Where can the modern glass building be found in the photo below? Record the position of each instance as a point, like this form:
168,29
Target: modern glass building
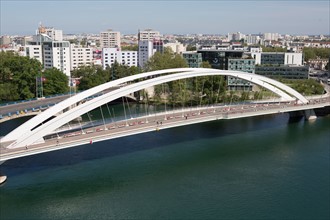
272,58
194,60
283,71
244,65
219,58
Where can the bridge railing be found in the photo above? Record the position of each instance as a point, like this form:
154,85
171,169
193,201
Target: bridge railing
25,111
19,113
35,99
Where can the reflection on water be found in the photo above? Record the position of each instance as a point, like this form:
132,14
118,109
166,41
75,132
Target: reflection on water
268,167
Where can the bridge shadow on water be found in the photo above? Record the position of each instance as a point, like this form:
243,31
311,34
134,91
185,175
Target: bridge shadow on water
144,141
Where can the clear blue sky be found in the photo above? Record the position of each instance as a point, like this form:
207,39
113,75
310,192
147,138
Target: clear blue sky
168,17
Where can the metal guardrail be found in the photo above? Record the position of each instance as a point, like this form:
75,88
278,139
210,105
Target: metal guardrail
34,99
25,111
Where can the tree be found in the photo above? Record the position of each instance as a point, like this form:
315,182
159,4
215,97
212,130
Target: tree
305,86
8,92
117,71
166,60
56,82
313,53
133,47
90,76
206,64
19,73
191,48
274,49
93,78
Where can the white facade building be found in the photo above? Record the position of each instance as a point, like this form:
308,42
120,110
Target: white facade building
145,52
148,34
257,57
34,51
109,39
57,54
235,36
56,35
283,58
112,55
5,40
80,56
271,36
293,58
176,47
252,39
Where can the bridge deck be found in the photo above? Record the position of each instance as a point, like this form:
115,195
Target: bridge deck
153,122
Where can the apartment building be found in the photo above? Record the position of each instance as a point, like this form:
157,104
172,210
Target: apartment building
252,39
271,36
110,39
56,35
80,56
148,34
34,51
176,47
112,55
57,54
4,40
145,51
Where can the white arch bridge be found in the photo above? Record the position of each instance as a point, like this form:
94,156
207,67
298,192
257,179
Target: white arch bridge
28,138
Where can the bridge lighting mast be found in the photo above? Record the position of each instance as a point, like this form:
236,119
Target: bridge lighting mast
39,86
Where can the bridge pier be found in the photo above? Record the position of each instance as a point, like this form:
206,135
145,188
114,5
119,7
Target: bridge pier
3,178
310,114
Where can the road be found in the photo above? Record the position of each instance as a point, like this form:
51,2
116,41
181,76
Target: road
33,107
21,106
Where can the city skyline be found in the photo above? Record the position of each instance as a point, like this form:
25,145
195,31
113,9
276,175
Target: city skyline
168,17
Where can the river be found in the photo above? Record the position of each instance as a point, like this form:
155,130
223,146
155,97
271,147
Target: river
267,167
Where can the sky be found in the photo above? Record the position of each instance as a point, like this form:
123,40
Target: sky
296,17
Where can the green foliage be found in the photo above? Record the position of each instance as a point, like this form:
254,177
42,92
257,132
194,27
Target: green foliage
191,48
166,60
117,71
313,53
305,86
273,49
19,74
8,91
56,82
91,76
206,64
134,47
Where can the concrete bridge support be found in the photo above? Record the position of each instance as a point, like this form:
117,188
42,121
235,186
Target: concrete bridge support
3,178
310,114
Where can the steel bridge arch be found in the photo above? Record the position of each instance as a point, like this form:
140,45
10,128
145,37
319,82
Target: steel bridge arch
32,136
58,108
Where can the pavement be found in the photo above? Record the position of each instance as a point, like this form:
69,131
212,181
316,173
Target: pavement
155,122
